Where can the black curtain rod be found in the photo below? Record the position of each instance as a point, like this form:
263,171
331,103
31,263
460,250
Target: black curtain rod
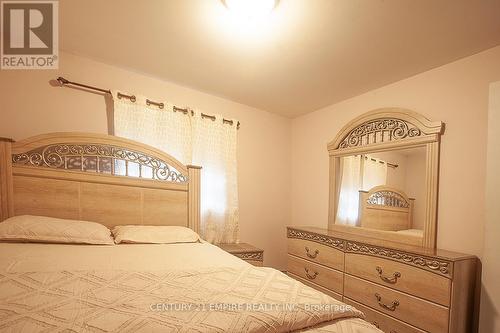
374,160
132,98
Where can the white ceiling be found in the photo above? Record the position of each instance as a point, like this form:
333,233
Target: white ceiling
306,55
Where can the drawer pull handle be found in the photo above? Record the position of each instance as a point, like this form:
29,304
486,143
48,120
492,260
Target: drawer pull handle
392,279
312,256
391,307
375,324
309,276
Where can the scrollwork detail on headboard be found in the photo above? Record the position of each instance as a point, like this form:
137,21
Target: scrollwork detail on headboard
100,158
388,198
379,130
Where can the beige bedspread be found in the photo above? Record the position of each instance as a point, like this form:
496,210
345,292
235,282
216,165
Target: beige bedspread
156,288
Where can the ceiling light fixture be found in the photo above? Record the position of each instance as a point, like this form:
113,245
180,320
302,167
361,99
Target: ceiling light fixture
246,23
250,10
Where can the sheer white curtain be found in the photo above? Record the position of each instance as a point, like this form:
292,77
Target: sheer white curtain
164,129
214,148
350,183
360,172
192,140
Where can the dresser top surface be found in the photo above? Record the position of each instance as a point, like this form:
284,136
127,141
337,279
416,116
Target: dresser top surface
438,253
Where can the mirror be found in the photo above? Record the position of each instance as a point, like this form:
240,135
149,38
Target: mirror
384,168
383,191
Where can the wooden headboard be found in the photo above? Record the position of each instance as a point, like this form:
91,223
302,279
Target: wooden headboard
95,177
385,208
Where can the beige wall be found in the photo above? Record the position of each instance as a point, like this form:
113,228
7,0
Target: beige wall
29,105
490,297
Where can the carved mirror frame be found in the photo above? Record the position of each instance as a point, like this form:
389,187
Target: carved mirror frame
384,130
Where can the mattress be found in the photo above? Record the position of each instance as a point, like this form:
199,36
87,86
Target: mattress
194,287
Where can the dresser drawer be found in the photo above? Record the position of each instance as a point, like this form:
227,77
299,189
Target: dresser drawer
382,321
316,252
415,311
320,275
400,276
313,285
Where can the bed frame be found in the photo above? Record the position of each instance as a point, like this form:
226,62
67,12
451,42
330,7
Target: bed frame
95,177
385,208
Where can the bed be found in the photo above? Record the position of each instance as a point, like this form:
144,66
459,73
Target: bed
189,287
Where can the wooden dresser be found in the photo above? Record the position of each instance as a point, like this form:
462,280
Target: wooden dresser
410,290
244,251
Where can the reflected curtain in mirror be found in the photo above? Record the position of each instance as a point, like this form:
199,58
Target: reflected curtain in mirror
358,172
191,139
347,212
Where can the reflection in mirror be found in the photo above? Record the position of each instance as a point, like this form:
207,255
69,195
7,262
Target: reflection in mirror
383,190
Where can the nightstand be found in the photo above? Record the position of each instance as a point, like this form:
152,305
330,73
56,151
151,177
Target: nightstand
244,251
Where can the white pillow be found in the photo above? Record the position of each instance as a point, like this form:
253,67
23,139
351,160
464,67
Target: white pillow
147,234
29,228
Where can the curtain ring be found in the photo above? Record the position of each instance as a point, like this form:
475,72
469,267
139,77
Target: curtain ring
131,98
